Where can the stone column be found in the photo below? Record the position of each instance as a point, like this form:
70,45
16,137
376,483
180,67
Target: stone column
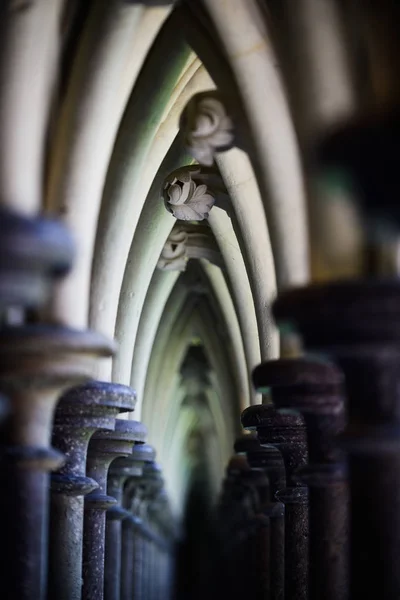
286,432
150,483
33,252
314,388
270,461
104,447
257,531
162,522
235,510
171,534
153,547
37,363
121,469
80,412
356,323
130,556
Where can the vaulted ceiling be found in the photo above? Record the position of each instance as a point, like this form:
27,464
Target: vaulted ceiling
174,141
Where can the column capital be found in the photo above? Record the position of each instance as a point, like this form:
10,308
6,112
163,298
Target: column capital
124,467
104,447
313,388
310,375
151,480
33,251
38,362
80,412
107,445
372,171
357,323
266,457
285,431
141,454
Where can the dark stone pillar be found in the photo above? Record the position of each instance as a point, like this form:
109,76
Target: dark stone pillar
104,447
314,388
270,461
33,252
257,531
286,432
233,508
357,324
172,535
153,547
131,558
80,412
234,519
162,522
151,483
168,563
37,363
120,470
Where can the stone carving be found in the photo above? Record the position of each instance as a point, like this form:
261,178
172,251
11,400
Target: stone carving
187,241
185,199
173,256
207,127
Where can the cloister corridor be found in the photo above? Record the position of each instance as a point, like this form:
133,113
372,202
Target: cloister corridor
199,299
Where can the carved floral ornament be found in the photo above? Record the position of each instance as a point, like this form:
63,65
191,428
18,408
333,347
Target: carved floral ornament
185,199
189,241
207,127
173,256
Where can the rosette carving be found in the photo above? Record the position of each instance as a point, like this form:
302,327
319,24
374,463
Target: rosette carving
185,199
207,127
